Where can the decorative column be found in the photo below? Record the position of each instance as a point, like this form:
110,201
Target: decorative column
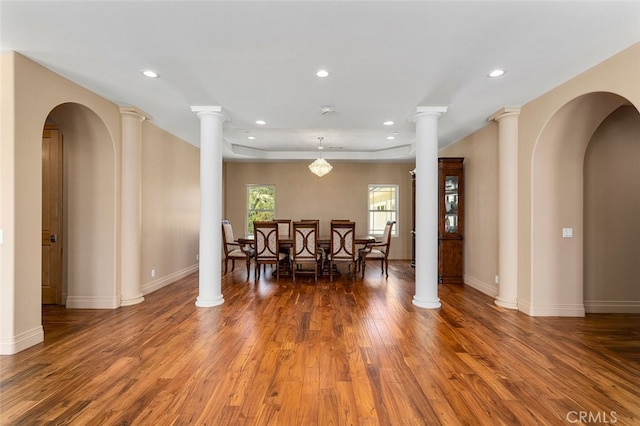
210,286
507,119
427,207
131,258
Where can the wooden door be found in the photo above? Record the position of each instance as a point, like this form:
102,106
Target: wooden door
51,215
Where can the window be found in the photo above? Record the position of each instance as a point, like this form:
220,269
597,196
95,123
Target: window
261,204
383,206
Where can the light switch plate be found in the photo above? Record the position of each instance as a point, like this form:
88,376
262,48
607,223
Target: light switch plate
567,232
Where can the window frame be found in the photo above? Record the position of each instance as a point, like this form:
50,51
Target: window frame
392,212
248,211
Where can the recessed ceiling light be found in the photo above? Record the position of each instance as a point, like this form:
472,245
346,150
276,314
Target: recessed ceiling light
388,123
251,137
322,73
391,137
496,73
261,122
150,74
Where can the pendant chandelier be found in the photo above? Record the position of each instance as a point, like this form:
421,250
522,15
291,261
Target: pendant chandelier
320,166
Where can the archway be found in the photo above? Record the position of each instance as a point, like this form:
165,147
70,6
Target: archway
557,204
611,211
89,209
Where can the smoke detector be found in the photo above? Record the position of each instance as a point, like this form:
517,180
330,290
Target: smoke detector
326,110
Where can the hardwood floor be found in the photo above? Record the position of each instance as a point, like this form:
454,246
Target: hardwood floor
333,353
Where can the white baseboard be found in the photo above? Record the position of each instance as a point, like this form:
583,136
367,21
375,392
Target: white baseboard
562,310
92,302
612,307
157,284
486,288
22,341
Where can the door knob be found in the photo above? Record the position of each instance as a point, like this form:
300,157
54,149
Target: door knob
53,238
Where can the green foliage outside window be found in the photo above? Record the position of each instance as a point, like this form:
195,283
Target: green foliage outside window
383,206
261,204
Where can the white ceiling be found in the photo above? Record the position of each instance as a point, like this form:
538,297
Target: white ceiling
258,61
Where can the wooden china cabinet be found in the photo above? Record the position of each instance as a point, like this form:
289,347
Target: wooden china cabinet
450,219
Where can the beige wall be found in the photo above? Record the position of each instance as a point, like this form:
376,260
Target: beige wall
341,194
612,212
92,138
170,207
554,132
480,152
32,93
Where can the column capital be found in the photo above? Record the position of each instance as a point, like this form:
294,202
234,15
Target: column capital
503,113
208,110
134,112
429,111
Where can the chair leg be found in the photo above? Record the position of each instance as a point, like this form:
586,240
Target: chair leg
248,266
233,264
293,272
331,271
364,265
386,267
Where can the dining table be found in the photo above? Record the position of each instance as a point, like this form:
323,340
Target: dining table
285,241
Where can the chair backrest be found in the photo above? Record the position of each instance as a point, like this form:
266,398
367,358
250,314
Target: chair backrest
386,236
265,235
284,227
305,240
343,241
227,235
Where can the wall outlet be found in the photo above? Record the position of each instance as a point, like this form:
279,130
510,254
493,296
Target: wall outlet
497,279
153,273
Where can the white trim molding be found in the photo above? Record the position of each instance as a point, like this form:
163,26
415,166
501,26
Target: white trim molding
552,310
486,288
612,306
91,302
154,285
22,341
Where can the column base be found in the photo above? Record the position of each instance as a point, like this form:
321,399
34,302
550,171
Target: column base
132,301
209,303
427,304
506,304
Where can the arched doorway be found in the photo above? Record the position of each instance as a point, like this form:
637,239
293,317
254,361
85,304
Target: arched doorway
611,212
557,205
89,209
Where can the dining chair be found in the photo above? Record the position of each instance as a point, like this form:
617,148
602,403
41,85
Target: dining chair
232,250
342,246
378,251
267,247
305,248
284,227
322,247
284,231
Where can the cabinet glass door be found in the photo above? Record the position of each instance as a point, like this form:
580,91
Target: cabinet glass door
451,204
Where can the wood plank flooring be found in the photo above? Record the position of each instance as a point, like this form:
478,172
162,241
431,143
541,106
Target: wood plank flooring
342,353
